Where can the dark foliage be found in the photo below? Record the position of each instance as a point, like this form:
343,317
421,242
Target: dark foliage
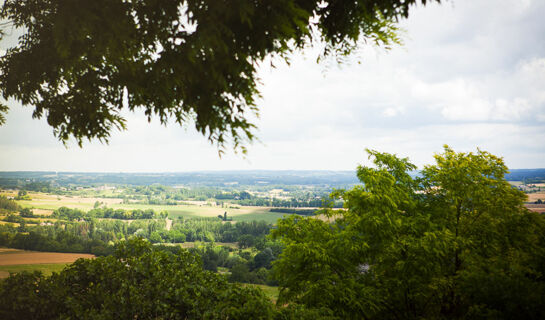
137,282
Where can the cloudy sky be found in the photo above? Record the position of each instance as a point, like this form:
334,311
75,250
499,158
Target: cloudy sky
471,73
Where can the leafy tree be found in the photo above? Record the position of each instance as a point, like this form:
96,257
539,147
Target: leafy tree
263,259
68,214
245,195
22,195
176,236
155,237
246,241
8,204
80,63
26,213
3,110
240,273
456,242
136,282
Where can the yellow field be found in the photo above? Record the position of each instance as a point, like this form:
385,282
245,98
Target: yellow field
14,256
44,204
5,222
533,197
42,212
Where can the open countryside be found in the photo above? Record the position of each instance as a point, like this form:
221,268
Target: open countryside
232,230
46,203
272,160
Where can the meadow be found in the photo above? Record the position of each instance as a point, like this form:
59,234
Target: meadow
270,292
44,203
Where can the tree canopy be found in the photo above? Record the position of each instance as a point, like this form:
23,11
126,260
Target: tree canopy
79,63
137,282
454,242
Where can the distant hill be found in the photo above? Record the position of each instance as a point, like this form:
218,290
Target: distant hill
526,175
206,178
213,178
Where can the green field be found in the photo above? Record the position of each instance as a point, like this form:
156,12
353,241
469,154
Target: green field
51,202
45,268
516,183
271,292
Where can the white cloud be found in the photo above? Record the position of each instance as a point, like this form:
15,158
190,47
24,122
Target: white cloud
390,112
471,74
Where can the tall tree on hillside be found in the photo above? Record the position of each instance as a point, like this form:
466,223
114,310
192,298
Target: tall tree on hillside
456,242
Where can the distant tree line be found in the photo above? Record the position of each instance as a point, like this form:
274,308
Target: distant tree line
57,238
303,212
76,230
209,230
76,214
38,186
82,236
10,208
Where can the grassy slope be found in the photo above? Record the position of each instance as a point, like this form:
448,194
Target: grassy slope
45,268
271,292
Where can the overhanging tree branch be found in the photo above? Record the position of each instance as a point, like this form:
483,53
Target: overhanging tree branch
79,63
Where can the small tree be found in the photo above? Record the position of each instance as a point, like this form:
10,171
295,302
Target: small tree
155,237
240,273
22,195
26,213
246,241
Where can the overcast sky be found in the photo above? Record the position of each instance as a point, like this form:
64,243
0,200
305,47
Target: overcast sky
471,73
